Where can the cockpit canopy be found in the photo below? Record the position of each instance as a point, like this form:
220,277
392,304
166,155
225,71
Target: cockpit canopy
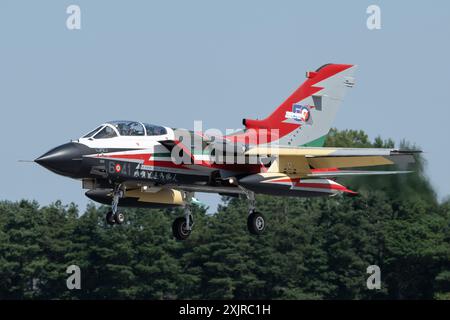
125,128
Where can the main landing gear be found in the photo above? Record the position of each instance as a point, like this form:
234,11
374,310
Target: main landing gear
256,223
182,226
114,216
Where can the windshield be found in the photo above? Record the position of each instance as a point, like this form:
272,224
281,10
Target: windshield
90,134
105,133
128,128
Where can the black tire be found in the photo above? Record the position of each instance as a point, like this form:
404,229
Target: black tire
110,218
119,217
256,223
180,232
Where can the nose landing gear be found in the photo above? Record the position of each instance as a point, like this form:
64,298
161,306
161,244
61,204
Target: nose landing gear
114,216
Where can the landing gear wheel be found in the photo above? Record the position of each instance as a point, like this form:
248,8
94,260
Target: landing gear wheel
119,217
110,218
256,223
180,230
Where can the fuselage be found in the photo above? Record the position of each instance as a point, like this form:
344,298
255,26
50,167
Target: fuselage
145,158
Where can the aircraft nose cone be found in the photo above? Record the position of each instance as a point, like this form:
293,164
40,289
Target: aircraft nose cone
65,159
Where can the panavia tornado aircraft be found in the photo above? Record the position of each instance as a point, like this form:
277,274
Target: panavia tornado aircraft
131,163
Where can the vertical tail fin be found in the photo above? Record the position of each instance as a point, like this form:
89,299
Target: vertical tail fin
306,116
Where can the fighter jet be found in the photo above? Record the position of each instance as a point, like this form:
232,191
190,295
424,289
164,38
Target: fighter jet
136,164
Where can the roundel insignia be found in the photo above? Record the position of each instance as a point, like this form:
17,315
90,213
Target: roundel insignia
305,113
300,113
118,168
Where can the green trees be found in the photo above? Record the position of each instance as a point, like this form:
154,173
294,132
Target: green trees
33,248
312,249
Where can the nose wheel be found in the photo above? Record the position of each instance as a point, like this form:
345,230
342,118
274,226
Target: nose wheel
114,216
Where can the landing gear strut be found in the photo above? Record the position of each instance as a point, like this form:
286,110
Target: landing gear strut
182,226
114,216
256,222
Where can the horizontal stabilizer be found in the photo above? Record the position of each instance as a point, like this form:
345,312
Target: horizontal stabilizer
348,162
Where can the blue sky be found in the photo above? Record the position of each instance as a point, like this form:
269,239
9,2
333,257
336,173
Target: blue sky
174,62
